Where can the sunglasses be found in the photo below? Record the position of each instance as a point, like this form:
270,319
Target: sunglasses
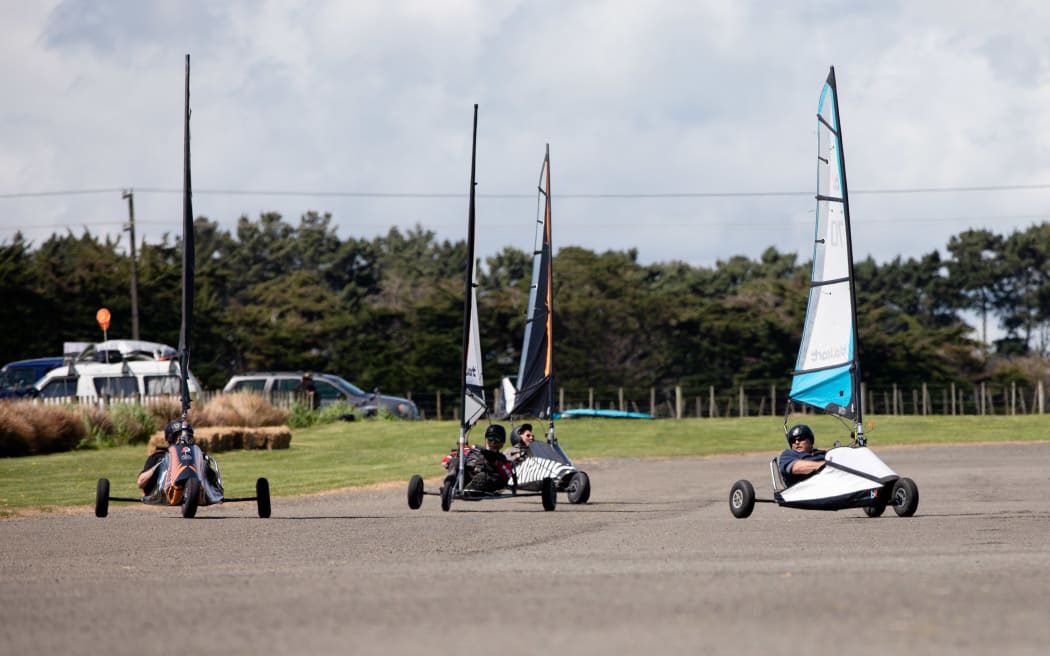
799,439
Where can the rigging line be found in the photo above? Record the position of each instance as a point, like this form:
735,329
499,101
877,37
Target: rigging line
582,195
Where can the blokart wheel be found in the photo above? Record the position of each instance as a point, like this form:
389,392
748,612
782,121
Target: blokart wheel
262,497
191,496
415,492
447,492
905,497
742,499
579,489
881,501
102,498
549,494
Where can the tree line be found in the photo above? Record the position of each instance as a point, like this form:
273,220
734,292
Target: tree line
387,312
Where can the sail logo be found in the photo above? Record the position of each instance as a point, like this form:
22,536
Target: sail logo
835,353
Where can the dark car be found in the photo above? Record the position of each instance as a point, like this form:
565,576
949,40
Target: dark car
330,388
17,378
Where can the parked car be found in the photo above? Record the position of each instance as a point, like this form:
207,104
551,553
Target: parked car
89,380
17,378
330,388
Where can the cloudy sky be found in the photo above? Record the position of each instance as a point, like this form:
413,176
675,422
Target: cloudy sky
685,129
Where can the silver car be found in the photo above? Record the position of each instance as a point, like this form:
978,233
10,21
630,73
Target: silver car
330,388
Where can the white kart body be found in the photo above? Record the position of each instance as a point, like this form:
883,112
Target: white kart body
851,475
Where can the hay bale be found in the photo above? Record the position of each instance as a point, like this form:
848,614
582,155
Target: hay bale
216,439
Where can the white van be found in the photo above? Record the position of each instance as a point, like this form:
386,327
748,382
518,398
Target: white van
129,378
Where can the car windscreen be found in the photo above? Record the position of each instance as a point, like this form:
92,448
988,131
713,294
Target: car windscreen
116,385
59,387
350,387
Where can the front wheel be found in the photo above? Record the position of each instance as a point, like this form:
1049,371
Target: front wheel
102,498
905,497
882,499
448,490
579,490
415,492
191,496
262,497
549,494
742,499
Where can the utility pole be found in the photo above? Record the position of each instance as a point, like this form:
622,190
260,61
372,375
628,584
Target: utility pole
130,196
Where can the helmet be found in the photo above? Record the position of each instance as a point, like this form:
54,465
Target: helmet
496,433
176,429
799,430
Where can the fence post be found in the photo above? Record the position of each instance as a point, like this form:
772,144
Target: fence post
742,402
953,398
439,405
982,399
712,407
895,398
677,401
561,399
621,400
914,401
1013,398
925,398
699,408
1040,386
652,401
590,397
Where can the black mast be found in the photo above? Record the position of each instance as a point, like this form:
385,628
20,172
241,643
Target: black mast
187,257
469,283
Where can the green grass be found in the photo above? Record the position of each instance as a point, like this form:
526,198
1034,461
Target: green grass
363,453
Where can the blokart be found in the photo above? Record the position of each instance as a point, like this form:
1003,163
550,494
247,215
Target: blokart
827,372
852,477
457,486
187,478
184,476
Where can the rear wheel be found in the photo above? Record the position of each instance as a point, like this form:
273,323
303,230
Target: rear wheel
191,496
262,497
742,499
905,497
102,498
579,490
415,492
549,494
881,501
447,490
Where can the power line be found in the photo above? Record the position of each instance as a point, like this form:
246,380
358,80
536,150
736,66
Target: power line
582,195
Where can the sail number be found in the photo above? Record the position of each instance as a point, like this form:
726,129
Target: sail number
836,235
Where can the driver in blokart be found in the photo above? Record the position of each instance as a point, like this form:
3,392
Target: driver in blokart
800,460
520,439
485,469
174,432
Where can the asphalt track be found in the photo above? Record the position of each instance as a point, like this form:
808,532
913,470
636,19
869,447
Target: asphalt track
655,564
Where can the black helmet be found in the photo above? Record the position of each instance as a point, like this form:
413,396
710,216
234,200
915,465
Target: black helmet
175,429
799,430
496,433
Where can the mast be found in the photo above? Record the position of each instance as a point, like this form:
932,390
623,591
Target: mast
188,248
547,245
859,420
468,285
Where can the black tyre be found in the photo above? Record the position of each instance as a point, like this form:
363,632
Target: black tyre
191,497
549,494
262,497
447,492
881,501
415,492
579,490
102,498
742,499
905,497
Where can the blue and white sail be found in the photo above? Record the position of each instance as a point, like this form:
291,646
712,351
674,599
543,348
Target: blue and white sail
827,372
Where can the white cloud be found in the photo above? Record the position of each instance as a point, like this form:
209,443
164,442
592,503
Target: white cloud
652,97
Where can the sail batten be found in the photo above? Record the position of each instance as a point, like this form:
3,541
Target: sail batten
827,370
